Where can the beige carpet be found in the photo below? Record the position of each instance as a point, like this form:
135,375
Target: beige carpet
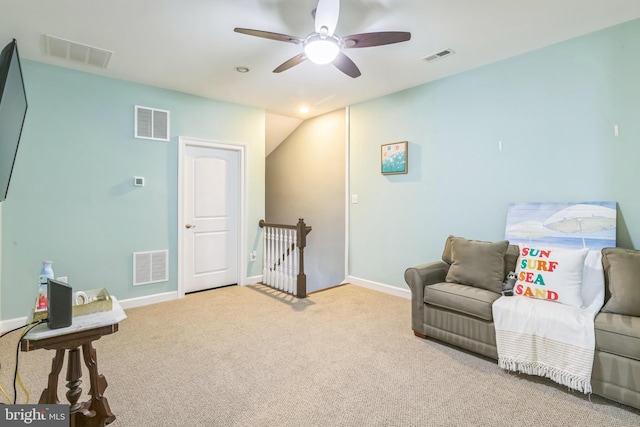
250,356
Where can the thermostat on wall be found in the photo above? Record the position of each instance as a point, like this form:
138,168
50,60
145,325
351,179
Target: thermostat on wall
138,181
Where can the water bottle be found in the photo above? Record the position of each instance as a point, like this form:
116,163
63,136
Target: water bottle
45,273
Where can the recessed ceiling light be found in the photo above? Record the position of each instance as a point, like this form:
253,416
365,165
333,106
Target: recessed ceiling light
304,110
242,69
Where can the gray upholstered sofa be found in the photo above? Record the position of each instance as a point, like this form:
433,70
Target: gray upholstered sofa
616,365
455,308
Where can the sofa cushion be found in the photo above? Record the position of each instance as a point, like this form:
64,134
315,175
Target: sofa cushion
477,263
618,334
461,298
551,273
622,279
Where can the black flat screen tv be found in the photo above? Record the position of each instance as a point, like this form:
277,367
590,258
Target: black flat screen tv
13,110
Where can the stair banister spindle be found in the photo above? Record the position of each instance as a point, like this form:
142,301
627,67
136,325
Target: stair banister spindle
285,262
279,251
265,254
269,250
290,277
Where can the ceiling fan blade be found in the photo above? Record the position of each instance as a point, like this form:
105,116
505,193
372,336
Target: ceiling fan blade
301,57
346,65
269,35
375,39
326,15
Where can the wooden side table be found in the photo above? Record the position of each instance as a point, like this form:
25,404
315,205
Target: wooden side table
82,332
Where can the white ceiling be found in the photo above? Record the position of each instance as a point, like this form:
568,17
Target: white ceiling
190,45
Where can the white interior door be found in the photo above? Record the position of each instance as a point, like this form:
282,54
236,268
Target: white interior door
210,203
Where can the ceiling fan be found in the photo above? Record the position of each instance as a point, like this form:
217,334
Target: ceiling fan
323,46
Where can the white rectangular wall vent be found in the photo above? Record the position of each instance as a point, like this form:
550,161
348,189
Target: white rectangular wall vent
439,55
77,52
150,267
151,123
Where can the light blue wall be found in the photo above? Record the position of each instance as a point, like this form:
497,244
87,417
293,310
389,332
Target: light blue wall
72,200
554,110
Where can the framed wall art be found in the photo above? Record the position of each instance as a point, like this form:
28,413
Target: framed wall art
394,158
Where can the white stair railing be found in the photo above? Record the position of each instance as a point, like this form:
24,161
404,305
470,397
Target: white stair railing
283,258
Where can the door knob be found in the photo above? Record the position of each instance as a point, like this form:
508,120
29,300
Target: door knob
190,226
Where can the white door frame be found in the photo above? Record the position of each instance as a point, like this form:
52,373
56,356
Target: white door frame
183,142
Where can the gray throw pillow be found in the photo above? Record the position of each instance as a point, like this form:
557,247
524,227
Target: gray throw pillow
510,256
622,277
477,263
446,253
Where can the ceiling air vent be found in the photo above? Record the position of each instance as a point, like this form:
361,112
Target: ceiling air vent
439,55
77,52
151,123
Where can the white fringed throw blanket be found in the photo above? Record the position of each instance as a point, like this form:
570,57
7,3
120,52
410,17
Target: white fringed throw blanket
550,339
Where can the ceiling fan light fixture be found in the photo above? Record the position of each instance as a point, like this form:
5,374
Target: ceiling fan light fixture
323,46
321,50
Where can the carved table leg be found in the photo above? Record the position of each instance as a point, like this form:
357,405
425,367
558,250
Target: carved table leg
74,372
50,394
99,405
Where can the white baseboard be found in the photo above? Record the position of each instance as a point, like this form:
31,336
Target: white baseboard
149,299
380,287
9,324
168,296
252,280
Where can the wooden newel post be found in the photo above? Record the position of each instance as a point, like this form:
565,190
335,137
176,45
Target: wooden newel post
302,242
